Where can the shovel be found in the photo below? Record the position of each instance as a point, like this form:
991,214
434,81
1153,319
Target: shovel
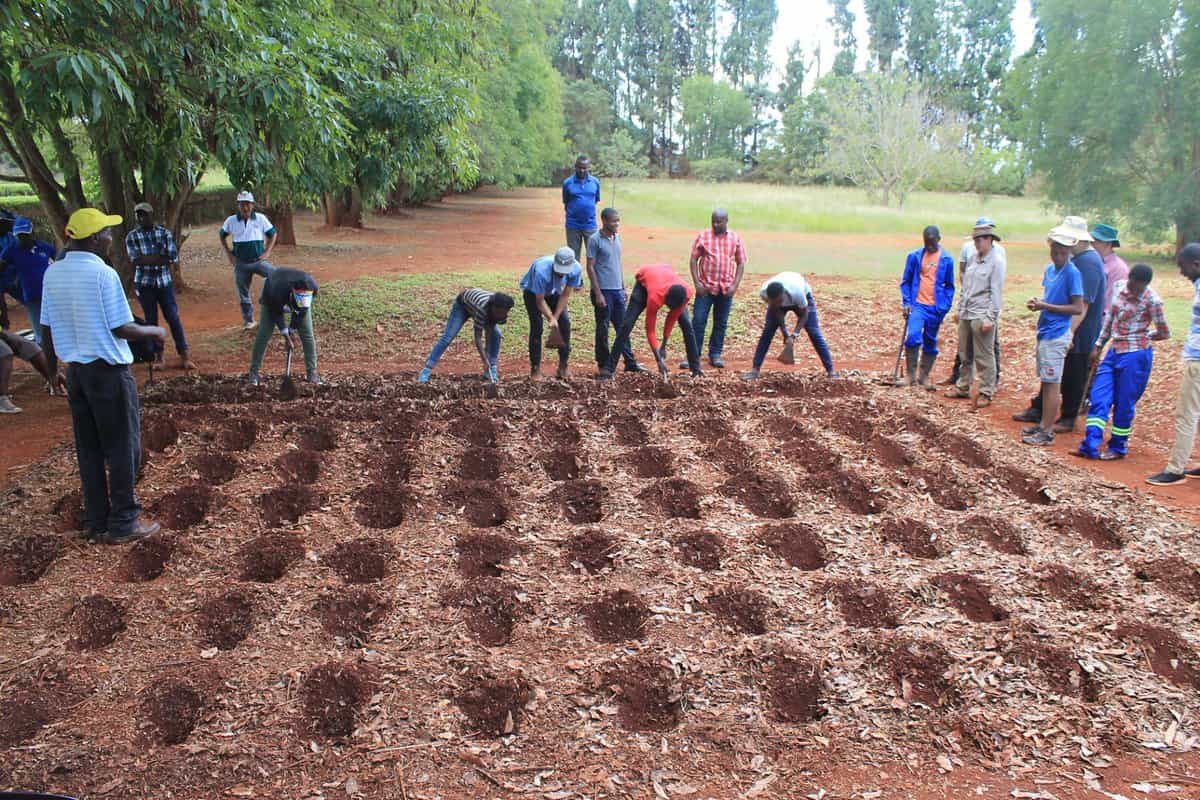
788,354
287,389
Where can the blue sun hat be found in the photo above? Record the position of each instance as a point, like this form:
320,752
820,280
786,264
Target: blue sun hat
1106,233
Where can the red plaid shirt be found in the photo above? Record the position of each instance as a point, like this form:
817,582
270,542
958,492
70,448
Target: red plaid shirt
718,258
1129,318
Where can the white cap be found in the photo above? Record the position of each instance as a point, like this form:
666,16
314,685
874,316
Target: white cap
245,197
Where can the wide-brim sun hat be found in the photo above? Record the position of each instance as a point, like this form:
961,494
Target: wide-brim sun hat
986,230
564,261
1077,227
1106,233
1060,234
245,197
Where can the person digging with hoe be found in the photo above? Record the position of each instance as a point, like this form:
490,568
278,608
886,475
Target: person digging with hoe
789,291
12,345
88,323
286,289
488,310
546,288
657,285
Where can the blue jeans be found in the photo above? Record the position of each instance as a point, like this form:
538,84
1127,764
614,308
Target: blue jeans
1120,381
243,273
812,326
613,311
721,304
151,298
458,317
34,310
923,325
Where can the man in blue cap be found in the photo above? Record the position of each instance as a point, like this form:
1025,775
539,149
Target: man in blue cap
968,253
546,287
1105,241
28,259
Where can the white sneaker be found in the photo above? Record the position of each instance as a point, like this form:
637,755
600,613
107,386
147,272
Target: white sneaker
7,407
248,326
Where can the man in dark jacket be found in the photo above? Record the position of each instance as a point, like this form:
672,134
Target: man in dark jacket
927,293
286,290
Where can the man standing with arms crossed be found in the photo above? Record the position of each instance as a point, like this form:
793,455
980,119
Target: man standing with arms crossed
718,264
151,250
253,240
580,195
608,287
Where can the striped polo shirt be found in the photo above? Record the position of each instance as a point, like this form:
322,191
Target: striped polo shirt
249,235
82,301
475,301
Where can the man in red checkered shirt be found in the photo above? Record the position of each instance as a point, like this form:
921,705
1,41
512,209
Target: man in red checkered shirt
718,263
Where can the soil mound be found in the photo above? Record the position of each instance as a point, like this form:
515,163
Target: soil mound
922,670
1060,669
562,464
1023,485
1075,590
237,434
351,613
25,560
617,617
481,555
631,430
1169,654
673,497
495,706
396,466
865,605
268,558
481,502
491,609
998,533
649,696
1097,530
793,686
333,694
24,713
849,490
95,622
970,596
286,504
480,464
68,513
701,549
942,490
301,466
734,455
172,710
651,462
744,609
797,544
381,505
225,620
321,437
361,560
146,559
214,469
184,507
583,501
159,433
1173,575
591,550
765,495
478,431
913,537
965,449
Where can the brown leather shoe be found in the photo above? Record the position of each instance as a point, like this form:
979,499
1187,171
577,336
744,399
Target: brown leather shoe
140,530
982,401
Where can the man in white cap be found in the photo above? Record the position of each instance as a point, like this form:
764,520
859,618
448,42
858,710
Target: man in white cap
86,316
253,240
546,288
1061,307
982,225
1086,330
152,251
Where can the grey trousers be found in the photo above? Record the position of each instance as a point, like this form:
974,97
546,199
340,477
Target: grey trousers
243,273
108,443
576,240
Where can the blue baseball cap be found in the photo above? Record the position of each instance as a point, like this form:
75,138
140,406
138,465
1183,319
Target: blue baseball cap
22,225
985,222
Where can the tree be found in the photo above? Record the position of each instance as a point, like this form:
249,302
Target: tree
1109,138
804,141
842,22
745,57
620,157
928,48
653,73
791,88
885,24
883,136
987,41
714,114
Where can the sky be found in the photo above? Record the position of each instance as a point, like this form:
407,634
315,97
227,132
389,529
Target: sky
808,22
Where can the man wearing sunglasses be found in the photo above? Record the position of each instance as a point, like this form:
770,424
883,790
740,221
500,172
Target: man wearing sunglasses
286,289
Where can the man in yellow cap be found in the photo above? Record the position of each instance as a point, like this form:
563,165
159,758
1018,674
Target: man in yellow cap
86,316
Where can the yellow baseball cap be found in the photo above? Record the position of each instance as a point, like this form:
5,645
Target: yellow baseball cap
88,221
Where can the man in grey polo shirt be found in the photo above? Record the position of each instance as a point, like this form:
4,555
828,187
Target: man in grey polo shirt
608,287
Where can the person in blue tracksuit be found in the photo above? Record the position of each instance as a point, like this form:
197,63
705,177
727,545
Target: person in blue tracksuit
1122,377
927,293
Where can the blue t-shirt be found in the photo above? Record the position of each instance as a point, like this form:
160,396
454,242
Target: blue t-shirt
1058,287
1095,289
540,279
29,265
580,197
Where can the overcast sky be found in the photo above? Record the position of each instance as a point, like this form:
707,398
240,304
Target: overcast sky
808,22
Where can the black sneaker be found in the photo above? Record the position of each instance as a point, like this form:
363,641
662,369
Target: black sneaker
636,367
1165,478
1028,415
1192,473
1039,438
716,362
139,531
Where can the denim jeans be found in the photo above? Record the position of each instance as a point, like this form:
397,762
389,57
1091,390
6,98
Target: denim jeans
537,323
612,311
720,305
812,326
267,326
108,442
459,317
151,298
243,273
637,304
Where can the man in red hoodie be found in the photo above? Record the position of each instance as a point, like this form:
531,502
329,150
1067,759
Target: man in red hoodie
655,286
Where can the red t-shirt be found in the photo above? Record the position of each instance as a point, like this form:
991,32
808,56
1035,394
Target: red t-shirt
657,279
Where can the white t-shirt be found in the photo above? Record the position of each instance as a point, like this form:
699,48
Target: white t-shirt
794,286
968,252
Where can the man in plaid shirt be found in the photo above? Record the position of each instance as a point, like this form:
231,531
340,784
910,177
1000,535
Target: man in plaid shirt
152,251
1122,377
718,263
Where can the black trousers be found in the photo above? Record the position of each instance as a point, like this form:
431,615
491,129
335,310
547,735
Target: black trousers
108,442
637,304
1074,380
537,322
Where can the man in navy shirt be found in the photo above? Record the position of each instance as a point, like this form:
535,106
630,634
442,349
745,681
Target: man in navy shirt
29,258
580,194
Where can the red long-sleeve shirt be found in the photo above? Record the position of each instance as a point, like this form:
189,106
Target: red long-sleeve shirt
657,279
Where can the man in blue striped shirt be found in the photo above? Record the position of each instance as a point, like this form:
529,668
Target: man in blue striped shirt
151,249
1187,410
87,318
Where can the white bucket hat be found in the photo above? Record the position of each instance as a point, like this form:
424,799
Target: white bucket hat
1075,227
1060,234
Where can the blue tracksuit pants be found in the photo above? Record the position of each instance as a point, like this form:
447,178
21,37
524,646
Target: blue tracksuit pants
923,324
1120,380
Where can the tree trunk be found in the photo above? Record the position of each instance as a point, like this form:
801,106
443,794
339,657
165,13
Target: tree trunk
1187,230
117,198
283,215
343,209
173,208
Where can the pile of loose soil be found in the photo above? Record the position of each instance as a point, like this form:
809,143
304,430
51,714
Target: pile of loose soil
184,507
562,463
481,502
25,560
237,434
890,452
1172,573
649,695
225,620
495,706
95,622
268,558
24,712
734,454
147,558
321,437
793,686
616,617
476,430
631,430
744,609
912,536
286,504
333,694
591,550
301,466
970,596
480,464
361,560
351,613
172,710
852,420
480,555
214,468
394,466
965,449
701,549
765,495
796,543
1169,653
998,533
1060,668
68,512
922,671
849,490
865,605
651,462
381,505
941,489
673,497
1023,485
1100,532
159,433
1072,588
562,436
582,501
491,608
